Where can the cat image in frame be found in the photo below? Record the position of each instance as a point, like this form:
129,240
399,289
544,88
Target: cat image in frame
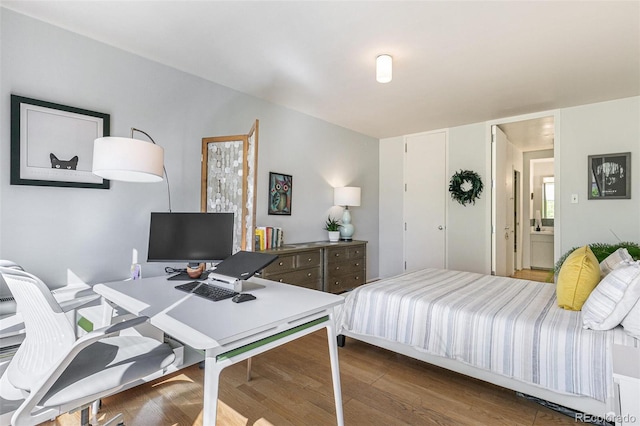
71,164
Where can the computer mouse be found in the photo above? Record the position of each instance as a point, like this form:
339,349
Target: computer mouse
243,297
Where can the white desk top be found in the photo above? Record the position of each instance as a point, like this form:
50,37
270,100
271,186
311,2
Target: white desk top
205,324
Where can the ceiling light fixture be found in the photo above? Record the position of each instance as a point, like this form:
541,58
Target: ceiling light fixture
384,68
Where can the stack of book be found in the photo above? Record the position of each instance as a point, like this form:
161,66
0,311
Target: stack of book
268,237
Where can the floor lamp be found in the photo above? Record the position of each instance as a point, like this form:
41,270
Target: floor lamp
130,160
346,196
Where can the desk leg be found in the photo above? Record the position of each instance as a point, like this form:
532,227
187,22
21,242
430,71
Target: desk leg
335,371
211,384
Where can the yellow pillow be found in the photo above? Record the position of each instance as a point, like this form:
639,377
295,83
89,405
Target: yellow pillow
579,275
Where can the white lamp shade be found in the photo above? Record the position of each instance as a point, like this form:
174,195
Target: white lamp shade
126,159
538,217
384,68
346,196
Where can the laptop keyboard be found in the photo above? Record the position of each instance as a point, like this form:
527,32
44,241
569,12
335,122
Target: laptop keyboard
208,291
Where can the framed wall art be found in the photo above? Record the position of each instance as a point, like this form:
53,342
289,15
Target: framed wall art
280,193
52,144
609,176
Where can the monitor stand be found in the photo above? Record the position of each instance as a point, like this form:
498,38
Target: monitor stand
183,276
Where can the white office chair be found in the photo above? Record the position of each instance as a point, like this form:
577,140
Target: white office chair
57,373
7,302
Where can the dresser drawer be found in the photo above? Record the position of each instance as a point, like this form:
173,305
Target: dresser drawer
335,254
309,278
344,282
348,267
280,265
356,252
309,259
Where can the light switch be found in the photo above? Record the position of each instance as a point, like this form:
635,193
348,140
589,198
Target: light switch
574,198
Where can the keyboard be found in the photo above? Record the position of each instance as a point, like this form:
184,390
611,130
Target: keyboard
208,291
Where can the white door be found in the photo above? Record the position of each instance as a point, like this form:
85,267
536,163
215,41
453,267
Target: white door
424,201
503,204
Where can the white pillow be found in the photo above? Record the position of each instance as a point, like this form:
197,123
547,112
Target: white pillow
614,260
612,299
631,322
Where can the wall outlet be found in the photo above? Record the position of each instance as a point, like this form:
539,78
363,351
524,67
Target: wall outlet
574,198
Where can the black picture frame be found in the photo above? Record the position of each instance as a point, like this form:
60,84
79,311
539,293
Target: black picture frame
609,176
52,144
280,194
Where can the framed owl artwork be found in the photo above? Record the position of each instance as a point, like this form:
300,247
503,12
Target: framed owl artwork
280,191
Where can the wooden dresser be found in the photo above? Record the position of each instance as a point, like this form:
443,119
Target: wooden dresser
321,265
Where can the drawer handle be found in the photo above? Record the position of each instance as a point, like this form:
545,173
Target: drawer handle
309,260
357,264
280,280
337,254
357,277
309,274
280,264
337,268
337,283
357,251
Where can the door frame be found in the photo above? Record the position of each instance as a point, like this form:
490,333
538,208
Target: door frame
491,207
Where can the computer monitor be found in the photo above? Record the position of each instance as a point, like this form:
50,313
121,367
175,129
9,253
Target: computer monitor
190,237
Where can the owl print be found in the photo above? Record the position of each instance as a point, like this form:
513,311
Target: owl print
280,194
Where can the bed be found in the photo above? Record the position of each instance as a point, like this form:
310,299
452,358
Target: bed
505,331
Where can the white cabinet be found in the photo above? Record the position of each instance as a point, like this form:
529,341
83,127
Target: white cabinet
541,250
626,377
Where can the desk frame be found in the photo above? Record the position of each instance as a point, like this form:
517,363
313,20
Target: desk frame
220,356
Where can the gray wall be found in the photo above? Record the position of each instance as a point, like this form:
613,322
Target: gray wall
606,127
61,232
602,128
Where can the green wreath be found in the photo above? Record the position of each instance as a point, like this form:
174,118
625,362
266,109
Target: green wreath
465,187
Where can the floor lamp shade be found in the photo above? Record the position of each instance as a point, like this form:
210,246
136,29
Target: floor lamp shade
128,159
346,196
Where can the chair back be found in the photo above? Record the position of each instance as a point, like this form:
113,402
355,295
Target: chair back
7,303
49,334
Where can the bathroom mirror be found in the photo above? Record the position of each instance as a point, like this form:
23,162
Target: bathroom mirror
228,182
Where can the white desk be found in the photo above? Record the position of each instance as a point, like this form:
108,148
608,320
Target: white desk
231,332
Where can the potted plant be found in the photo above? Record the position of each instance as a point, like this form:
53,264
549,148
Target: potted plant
333,227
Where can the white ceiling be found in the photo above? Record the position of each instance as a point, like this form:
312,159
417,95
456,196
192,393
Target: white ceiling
454,62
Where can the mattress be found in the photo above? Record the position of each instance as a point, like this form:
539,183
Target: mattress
507,326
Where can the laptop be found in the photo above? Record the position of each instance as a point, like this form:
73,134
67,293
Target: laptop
242,265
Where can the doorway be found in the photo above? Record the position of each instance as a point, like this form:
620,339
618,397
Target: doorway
513,143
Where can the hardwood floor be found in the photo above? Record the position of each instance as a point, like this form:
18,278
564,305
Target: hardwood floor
534,275
291,385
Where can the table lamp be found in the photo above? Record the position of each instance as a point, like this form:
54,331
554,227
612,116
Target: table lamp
346,196
538,220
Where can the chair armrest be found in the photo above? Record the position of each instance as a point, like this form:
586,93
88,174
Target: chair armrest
69,305
40,389
101,333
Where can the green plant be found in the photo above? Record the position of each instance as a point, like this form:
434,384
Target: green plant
331,224
602,250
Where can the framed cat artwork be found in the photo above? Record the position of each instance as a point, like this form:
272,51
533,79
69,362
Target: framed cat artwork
52,144
280,193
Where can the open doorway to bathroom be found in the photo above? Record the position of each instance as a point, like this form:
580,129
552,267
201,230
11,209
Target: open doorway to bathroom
524,189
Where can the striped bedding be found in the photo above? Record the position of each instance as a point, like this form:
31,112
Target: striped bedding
508,326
